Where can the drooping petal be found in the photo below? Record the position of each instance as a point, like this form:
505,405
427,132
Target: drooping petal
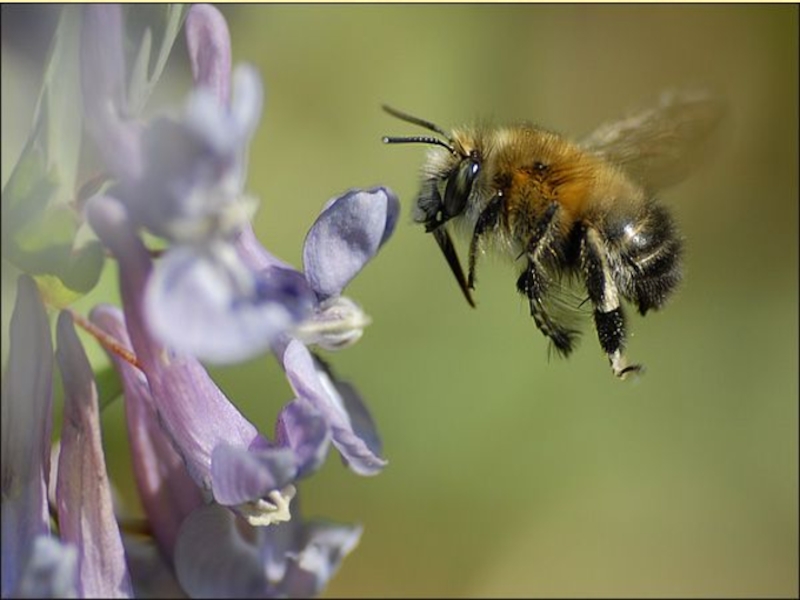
167,492
300,556
212,306
103,85
193,410
347,234
303,428
209,44
83,493
213,559
353,431
27,398
361,422
324,547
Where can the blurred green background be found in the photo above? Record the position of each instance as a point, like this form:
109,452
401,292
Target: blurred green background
511,474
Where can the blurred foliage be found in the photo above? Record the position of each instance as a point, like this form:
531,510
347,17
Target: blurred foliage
510,474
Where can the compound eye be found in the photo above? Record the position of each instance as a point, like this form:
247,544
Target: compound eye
459,187
473,167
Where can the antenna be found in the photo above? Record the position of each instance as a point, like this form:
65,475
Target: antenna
419,139
416,121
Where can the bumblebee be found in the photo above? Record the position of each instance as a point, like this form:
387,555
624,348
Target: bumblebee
568,211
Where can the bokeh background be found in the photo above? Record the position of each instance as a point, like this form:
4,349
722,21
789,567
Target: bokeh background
511,474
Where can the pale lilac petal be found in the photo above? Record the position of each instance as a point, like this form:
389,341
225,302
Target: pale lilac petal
301,556
83,493
26,423
103,88
192,186
227,132
209,44
278,544
346,236
240,475
302,428
167,492
51,572
214,308
193,410
191,190
353,434
248,100
361,420
214,560
253,253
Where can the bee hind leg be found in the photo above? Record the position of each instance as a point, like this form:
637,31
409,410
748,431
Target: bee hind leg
609,318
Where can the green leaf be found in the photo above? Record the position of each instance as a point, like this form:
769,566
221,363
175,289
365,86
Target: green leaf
109,386
142,85
84,267
61,98
39,220
137,97
29,189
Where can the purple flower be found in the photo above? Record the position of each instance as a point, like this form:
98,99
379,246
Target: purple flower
219,496
345,237
217,556
352,427
212,555
347,234
166,490
223,452
183,179
88,559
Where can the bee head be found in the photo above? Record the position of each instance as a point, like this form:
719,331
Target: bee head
445,190
445,193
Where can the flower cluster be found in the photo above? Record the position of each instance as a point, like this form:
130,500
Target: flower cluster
220,497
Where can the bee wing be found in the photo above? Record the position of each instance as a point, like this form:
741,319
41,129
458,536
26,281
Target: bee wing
660,146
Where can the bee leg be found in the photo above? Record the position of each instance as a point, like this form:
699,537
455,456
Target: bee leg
534,282
609,319
488,219
429,206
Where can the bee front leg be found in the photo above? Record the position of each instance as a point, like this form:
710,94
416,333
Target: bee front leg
488,219
608,316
